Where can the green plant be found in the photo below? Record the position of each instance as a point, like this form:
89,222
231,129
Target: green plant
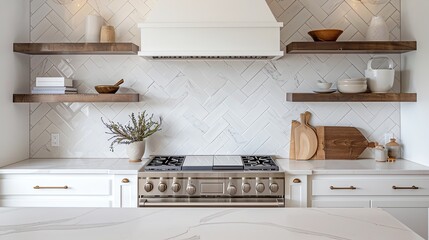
136,130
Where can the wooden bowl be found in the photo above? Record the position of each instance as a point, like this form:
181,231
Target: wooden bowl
104,89
325,35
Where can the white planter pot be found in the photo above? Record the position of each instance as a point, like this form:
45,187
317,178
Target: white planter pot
136,150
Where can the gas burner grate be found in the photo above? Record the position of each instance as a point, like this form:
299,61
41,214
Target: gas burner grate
259,163
165,163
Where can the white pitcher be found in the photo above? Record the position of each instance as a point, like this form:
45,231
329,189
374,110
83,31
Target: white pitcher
377,30
380,80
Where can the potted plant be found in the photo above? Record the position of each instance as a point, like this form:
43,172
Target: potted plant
133,134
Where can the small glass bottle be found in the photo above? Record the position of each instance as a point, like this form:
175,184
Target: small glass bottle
393,149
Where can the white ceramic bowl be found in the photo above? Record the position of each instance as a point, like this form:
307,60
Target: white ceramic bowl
347,88
353,81
324,85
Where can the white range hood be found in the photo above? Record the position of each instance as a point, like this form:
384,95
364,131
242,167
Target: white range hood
210,29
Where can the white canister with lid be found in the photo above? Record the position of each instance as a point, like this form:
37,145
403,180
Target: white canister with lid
380,80
380,153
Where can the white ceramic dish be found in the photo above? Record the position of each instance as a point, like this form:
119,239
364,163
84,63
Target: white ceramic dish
324,85
324,90
352,88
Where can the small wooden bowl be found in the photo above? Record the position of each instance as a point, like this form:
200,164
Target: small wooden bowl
325,35
103,89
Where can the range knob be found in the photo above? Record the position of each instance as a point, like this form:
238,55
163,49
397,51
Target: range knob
191,189
162,187
246,187
232,190
175,187
148,187
274,187
260,187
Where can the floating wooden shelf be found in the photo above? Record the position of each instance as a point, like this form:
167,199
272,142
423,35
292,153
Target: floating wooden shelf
50,98
76,48
351,97
351,47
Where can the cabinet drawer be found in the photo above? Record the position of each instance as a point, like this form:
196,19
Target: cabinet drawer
358,187
57,185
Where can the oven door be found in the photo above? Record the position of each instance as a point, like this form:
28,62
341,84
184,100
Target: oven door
212,202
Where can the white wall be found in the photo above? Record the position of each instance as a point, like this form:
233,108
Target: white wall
14,68
209,107
415,78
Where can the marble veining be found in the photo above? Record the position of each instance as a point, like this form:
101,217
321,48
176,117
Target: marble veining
200,223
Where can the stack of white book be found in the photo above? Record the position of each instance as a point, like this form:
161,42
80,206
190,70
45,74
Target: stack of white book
53,85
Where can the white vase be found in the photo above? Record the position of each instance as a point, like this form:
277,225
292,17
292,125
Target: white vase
135,151
93,26
377,30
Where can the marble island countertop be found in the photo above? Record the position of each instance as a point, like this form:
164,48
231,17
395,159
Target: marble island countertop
200,223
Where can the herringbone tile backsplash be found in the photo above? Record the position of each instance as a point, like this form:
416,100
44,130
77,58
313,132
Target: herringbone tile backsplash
208,107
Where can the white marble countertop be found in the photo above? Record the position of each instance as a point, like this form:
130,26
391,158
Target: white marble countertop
361,166
122,166
200,223
91,166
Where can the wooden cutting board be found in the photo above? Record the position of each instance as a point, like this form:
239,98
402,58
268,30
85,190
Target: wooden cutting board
294,125
305,139
341,143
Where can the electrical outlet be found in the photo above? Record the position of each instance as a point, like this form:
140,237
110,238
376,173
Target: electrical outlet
55,139
388,136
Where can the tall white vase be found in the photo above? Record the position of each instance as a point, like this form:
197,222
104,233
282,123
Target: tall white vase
135,151
93,25
377,30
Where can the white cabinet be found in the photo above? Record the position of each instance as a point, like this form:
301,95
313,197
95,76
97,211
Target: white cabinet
68,190
125,191
296,190
404,196
55,190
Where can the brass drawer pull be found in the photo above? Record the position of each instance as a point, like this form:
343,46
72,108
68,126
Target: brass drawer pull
412,187
342,188
125,180
296,180
39,187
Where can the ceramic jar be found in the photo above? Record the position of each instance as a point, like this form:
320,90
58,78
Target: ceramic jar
393,149
380,153
107,34
377,30
380,80
136,151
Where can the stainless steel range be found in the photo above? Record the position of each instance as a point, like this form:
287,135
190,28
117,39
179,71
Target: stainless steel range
211,181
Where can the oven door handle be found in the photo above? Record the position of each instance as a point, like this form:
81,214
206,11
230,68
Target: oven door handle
274,203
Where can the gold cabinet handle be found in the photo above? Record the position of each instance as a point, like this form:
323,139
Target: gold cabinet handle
398,188
296,180
125,180
40,187
342,188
